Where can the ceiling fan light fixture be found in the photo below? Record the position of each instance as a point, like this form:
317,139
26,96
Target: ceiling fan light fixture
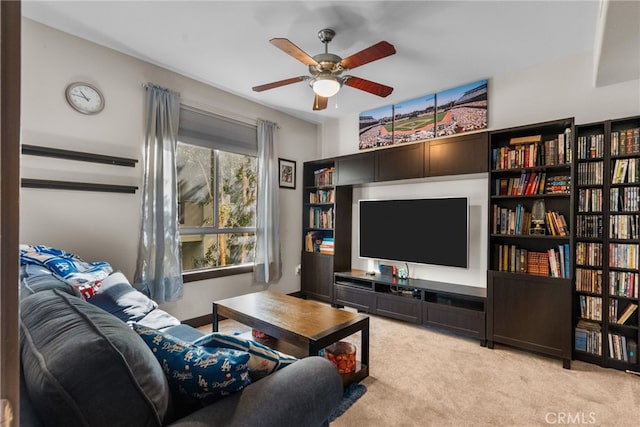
325,86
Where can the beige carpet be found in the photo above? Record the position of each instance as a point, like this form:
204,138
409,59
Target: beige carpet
423,377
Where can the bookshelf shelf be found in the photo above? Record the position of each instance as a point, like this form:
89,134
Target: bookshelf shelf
530,275
616,244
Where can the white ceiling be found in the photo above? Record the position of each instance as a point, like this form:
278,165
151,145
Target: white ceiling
440,44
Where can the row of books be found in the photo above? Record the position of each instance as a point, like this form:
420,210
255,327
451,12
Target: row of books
623,255
529,183
590,173
322,196
590,200
621,317
625,199
625,141
590,146
619,346
554,262
590,307
324,177
508,221
626,171
589,226
532,182
556,223
623,283
588,337
315,242
623,227
589,280
530,151
589,253
320,218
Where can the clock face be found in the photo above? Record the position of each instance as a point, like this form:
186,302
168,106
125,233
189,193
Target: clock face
85,98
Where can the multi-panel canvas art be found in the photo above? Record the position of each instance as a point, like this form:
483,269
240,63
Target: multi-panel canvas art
450,112
414,120
376,127
462,109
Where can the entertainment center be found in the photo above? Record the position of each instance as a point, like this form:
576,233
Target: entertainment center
458,308
327,234
563,247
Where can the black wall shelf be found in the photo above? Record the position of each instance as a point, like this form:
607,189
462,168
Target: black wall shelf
34,150
79,186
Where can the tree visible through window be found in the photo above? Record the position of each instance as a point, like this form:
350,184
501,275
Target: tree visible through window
217,206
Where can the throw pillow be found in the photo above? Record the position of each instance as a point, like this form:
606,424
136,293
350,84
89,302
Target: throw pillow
263,361
194,372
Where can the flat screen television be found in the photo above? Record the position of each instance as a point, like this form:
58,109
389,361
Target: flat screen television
424,231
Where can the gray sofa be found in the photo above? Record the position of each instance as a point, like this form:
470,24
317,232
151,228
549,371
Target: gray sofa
83,365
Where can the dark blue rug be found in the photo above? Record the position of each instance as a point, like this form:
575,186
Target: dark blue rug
352,393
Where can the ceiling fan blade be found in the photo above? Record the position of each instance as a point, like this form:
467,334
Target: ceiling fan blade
279,83
370,54
368,86
293,50
320,103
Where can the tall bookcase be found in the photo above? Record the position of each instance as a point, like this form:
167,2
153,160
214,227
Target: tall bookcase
530,268
326,229
607,213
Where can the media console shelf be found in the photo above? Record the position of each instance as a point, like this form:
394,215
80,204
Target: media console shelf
458,308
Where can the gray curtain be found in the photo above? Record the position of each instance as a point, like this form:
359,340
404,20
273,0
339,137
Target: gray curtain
158,269
268,267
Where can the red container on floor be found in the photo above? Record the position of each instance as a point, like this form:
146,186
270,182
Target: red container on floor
343,355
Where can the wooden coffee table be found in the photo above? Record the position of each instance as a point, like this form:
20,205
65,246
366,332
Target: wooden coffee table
297,326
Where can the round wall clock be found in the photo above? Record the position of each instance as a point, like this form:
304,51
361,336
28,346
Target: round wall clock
85,98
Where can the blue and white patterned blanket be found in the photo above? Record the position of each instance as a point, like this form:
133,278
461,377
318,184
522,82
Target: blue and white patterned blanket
85,276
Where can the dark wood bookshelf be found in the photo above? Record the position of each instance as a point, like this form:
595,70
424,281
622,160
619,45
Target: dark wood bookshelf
527,309
317,267
603,348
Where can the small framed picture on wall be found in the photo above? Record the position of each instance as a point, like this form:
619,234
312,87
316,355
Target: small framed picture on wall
287,173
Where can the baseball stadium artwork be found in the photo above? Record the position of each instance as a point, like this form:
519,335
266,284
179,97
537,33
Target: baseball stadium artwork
446,113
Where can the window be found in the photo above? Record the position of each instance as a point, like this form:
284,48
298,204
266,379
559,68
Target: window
217,192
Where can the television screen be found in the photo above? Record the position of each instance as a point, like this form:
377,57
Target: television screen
425,231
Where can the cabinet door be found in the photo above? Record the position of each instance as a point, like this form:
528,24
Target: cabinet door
355,169
397,307
531,312
317,276
457,155
399,162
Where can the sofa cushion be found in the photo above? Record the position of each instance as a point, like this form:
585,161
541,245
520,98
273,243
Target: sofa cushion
82,366
197,373
36,278
263,360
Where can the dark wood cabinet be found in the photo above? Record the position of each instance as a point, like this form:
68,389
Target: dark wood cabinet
530,312
404,162
317,276
355,169
457,155
457,308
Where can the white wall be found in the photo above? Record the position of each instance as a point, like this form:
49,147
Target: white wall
541,93
104,226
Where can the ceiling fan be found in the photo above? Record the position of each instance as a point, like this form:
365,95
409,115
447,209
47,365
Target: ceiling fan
326,69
